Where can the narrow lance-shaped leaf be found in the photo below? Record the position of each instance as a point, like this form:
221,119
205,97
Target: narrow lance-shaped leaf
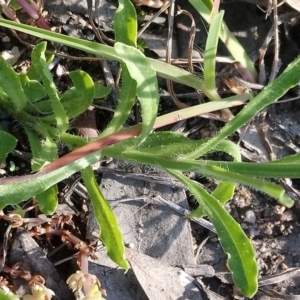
176,145
241,255
141,71
276,89
164,70
31,185
225,190
39,61
109,228
284,169
15,190
232,44
211,52
125,23
204,168
125,103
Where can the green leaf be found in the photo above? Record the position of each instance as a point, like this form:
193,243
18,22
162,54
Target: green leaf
203,167
23,188
125,23
169,144
230,148
141,71
230,41
33,74
10,83
110,232
125,103
223,193
10,296
175,145
14,4
75,100
8,144
162,143
285,169
39,62
162,140
33,90
85,89
164,70
276,89
101,91
295,158
211,52
225,190
241,255
43,151
48,200
269,188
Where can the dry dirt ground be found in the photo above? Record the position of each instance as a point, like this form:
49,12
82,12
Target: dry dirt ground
160,241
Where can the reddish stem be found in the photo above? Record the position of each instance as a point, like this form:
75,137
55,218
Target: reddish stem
92,147
32,10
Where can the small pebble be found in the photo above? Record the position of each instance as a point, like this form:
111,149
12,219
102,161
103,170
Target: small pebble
282,228
5,39
244,226
250,216
131,245
268,231
283,266
253,232
11,56
263,248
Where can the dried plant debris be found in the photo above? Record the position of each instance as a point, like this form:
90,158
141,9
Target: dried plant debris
24,249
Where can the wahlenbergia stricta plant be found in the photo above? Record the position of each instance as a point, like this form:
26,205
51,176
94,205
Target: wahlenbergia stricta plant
170,151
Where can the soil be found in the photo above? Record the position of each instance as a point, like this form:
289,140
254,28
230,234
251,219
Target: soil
153,228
